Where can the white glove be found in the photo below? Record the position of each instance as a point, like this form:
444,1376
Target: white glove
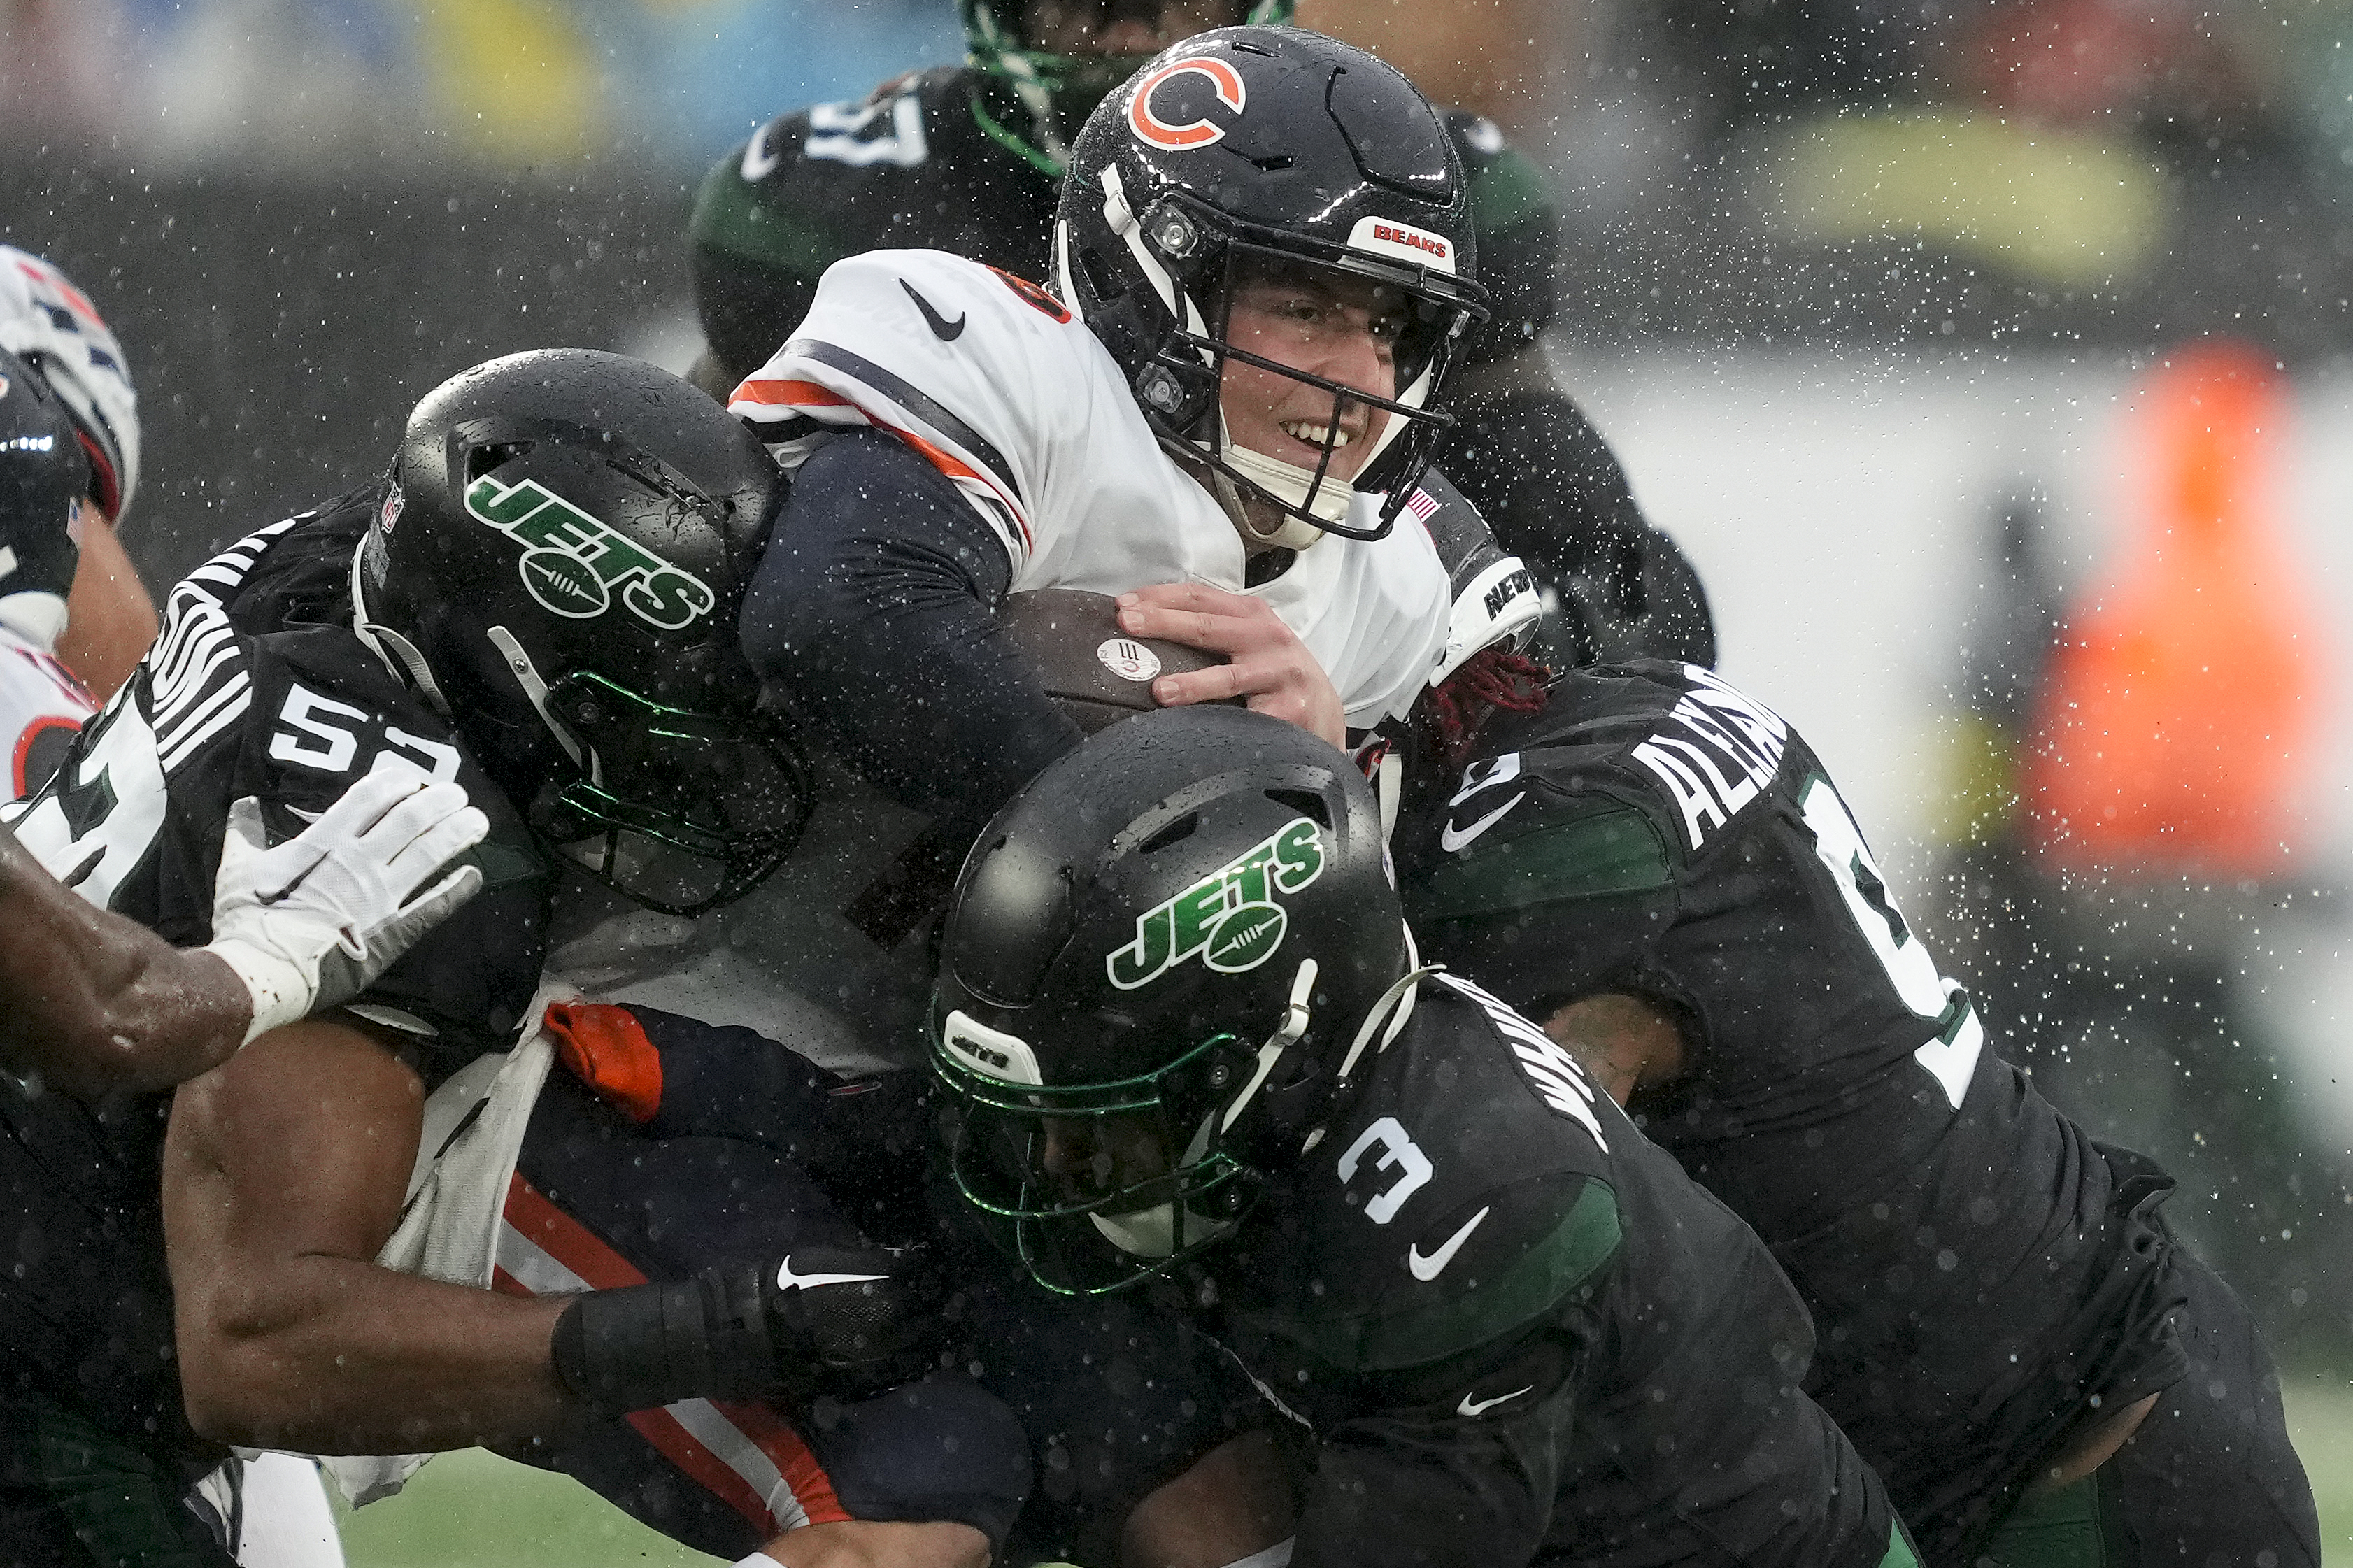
313,921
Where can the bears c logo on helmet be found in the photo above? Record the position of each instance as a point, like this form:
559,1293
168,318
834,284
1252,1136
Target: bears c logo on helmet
1153,131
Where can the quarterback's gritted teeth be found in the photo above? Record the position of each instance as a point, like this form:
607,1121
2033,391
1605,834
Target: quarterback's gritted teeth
1310,432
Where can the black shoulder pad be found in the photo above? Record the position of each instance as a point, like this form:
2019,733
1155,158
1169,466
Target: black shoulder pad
1568,847
1551,813
302,575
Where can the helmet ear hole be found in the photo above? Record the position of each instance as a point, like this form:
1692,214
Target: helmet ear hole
1173,834
1306,802
483,459
1205,1082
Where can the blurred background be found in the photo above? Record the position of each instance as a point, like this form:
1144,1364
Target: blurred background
1993,359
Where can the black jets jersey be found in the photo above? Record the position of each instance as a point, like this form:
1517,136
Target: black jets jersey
246,692
1977,1267
923,163
1518,1332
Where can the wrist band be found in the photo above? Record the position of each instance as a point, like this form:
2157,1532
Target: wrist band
281,992
646,1346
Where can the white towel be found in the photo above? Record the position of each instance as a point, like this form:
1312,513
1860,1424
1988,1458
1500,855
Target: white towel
472,1131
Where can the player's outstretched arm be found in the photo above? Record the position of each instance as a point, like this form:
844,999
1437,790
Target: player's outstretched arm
1265,661
869,1544
1233,1504
283,1175
99,1004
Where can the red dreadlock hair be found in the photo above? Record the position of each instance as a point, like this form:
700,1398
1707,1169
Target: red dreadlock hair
1489,679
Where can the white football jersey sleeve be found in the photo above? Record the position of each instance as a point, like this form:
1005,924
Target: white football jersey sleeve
42,707
992,380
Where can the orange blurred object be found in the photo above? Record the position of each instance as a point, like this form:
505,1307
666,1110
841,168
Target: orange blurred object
2099,63
2176,724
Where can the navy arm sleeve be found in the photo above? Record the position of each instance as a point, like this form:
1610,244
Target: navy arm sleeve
874,608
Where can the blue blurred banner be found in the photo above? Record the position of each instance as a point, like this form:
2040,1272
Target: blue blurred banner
671,83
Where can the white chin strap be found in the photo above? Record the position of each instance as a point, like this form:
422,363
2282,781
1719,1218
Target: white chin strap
397,653
1288,482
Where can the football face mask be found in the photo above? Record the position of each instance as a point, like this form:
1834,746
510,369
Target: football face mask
679,811
1096,1187
1416,318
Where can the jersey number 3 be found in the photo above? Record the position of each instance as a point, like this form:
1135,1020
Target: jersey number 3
1951,1055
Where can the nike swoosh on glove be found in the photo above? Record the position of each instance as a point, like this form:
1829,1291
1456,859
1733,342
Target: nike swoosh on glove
845,1322
312,921
849,1322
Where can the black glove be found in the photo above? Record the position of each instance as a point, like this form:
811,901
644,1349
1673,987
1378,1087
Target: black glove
845,1322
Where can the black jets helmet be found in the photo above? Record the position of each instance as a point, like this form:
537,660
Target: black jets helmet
1255,151
558,562
1175,938
1044,97
43,474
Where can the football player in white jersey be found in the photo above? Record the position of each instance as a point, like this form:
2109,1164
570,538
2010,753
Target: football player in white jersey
53,327
1230,428
1263,271
42,471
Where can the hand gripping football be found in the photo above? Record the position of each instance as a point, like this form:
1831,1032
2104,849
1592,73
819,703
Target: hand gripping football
1098,673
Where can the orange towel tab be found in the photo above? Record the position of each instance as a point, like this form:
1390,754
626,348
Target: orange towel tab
605,1048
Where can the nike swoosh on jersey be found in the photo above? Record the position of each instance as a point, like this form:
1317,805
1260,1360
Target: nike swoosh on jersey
1470,1407
758,162
788,1280
948,331
1449,840
1430,1267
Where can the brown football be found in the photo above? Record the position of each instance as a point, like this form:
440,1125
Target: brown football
1098,673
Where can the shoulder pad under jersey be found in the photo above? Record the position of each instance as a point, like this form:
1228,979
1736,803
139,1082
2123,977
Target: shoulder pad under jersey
811,183
1516,221
984,373
1464,1197
1495,599
1629,772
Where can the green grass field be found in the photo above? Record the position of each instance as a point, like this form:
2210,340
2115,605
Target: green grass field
2320,1420
473,1507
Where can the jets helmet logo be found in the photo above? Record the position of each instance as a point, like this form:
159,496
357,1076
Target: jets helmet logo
573,565
1182,136
1228,917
